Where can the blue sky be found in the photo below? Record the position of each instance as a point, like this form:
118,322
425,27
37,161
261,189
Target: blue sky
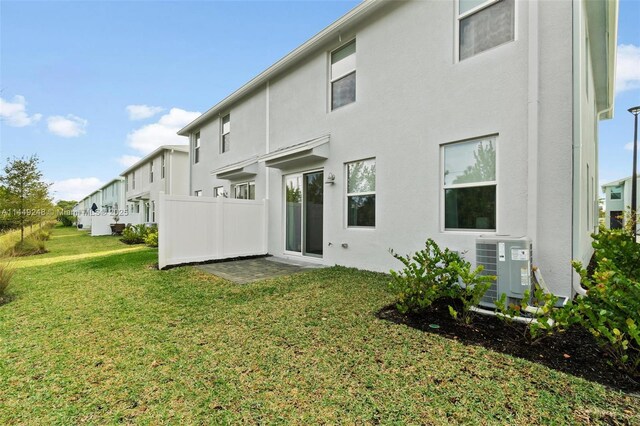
91,86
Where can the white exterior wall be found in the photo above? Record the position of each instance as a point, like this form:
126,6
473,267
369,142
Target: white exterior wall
175,182
412,97
623,204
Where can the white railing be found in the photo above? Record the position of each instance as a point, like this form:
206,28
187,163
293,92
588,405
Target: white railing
198,229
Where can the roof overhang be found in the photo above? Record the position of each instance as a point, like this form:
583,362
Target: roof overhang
298,155
142,196
156,152
242,170
602,19
332,32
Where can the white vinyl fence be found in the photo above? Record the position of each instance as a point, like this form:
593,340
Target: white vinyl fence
197,229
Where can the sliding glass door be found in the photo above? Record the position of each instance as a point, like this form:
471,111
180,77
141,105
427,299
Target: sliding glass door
304,201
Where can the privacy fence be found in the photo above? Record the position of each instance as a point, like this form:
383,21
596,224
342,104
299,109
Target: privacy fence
198,229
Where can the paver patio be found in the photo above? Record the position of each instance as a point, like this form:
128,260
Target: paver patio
245,271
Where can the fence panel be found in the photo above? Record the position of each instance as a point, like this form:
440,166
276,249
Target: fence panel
197,229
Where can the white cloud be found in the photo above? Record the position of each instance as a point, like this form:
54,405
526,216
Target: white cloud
140,112
70,126
151,136
128,160
75,188
15,113
629,146
628,68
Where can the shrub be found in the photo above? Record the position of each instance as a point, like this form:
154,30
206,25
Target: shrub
610,310
42,235
29,246
134,234
472,286
67,220
152,237
427,275
6,273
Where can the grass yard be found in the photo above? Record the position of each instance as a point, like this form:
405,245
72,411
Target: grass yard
93,335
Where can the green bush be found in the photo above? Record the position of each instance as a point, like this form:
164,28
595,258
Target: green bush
67,220
611,311
470,289
29,246
6,273
134,234
427,275
152,237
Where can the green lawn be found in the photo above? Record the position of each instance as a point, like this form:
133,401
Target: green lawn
94,335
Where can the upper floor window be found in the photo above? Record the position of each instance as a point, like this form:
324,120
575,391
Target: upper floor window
151,171
162,164
196,148
361,193
218,191
226,133
484,24
245,191
615,193
343,75
469,184
133,180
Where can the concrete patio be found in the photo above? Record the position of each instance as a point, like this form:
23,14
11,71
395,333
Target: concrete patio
245,271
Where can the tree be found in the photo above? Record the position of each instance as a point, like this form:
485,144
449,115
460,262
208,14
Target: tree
64,211
25,196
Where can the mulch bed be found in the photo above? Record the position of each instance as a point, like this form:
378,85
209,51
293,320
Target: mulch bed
574,352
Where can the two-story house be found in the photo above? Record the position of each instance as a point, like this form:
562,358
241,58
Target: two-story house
618,202
164,170
456,120
113,196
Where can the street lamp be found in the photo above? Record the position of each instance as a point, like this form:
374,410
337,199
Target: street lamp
634,178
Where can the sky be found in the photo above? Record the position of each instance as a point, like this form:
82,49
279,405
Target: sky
92,86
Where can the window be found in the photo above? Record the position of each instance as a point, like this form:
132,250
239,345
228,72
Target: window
361,193
126,182
162,163
197,193
615,193
218,191
484,24
245,191
343,75
153,212
226,133
151,172
196,148
133,180
469,184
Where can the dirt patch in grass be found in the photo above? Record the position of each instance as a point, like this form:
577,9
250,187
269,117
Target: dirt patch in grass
574,352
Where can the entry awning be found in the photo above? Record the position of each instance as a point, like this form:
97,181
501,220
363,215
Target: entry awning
139,197
298,155
241,170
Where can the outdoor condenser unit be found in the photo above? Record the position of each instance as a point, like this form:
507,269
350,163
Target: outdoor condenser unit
509,259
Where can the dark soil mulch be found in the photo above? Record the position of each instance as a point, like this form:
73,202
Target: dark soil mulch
574,352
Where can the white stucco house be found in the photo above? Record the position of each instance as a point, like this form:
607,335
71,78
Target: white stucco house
465,121
166,169
618,201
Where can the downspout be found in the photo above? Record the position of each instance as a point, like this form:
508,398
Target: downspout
576,143
533,91
267,140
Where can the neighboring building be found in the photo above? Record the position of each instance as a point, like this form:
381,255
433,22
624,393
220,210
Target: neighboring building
166,169
618,202
113,196
408,120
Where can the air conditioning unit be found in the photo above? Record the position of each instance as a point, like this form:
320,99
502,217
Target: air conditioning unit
509,259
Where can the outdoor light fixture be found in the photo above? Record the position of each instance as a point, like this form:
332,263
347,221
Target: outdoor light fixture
634,177
330,179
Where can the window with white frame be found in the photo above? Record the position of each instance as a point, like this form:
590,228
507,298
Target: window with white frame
196,148
484,24
226,134
245,191
361,193
198,193
153,212
133,180
615,193
469,184
151,171
162,166
126,183
218,191
343,75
